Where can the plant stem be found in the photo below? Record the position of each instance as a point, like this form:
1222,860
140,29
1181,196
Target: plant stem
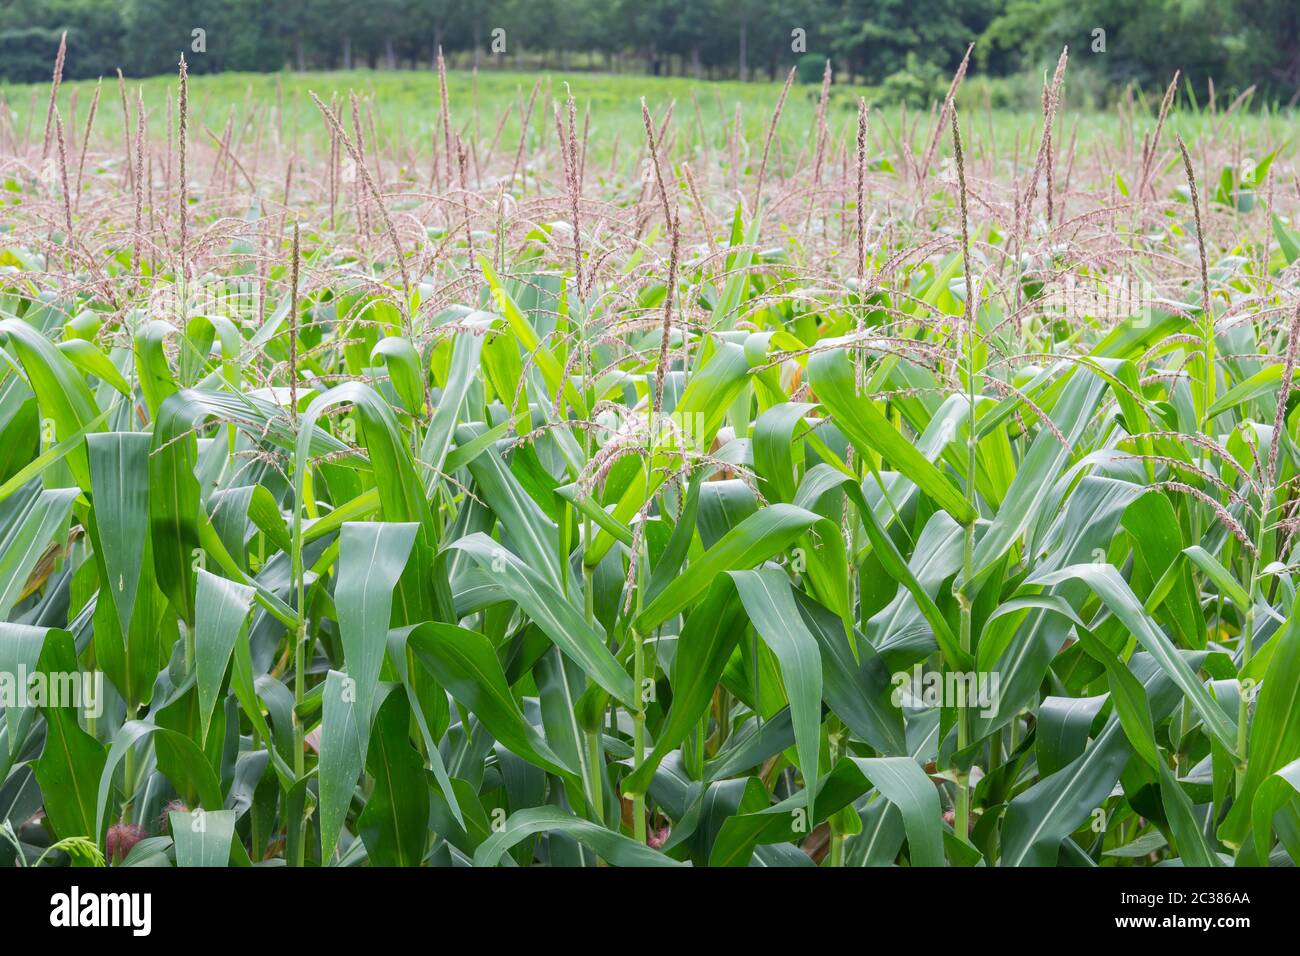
638,728
638,716
961,814
128,772
834,741
1248,637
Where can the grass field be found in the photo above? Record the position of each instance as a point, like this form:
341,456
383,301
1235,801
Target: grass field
405,108
755,480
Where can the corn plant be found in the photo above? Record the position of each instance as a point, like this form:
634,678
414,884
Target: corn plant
396,504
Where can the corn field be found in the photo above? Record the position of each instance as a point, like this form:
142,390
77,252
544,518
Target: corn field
870,491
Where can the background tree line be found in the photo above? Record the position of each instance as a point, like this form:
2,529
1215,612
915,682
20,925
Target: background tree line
908,46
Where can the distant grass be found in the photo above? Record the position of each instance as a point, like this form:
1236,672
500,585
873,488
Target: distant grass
407,102
406,106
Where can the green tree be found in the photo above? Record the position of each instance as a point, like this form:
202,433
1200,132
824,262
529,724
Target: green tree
876,36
